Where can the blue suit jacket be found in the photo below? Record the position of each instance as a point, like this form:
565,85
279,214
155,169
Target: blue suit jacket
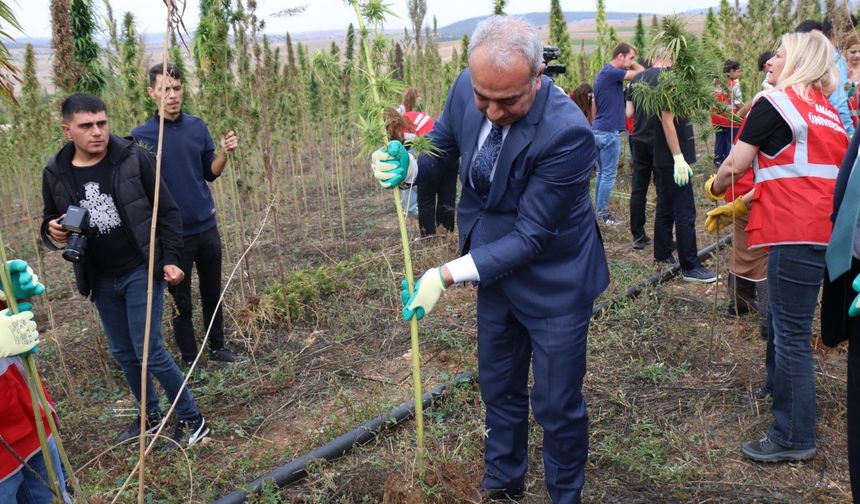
535,234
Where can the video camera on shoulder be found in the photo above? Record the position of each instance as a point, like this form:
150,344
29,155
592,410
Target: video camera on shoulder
77,223
552,53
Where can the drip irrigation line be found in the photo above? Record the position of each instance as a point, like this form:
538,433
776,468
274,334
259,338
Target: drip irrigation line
343,444
297,468
656,278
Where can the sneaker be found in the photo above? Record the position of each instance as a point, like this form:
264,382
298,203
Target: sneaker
609,220
225,355
762,392
189,432
766,450
700,275
641,242
153,421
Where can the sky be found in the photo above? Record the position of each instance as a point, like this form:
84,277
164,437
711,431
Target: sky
35,17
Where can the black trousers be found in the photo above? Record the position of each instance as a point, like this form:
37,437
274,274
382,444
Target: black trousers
436,203
640,179
676,209
204,251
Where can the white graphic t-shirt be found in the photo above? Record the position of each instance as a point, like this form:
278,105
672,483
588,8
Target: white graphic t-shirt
110,249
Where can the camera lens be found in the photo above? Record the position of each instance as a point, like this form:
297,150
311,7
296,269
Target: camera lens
75,247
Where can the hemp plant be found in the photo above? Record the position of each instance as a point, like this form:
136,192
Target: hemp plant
373,135
685,90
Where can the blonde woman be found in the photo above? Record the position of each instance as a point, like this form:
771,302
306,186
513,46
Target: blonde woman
794,141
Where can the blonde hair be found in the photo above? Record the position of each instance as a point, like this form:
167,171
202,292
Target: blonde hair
809,63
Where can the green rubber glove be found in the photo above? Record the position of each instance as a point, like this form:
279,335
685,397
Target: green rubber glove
428,290
18,334
391,164
854,309
683,172
25,283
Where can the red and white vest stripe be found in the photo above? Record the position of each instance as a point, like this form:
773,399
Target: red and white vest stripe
794,188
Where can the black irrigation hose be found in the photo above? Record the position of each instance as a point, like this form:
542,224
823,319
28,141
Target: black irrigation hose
343,444
656,278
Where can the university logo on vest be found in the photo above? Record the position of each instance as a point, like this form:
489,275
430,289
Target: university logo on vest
832,121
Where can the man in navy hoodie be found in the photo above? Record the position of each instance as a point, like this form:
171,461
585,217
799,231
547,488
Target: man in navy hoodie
188,163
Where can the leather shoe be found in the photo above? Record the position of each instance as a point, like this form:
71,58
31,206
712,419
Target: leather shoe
491,495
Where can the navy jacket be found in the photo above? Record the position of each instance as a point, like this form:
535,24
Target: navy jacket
535,234
186,166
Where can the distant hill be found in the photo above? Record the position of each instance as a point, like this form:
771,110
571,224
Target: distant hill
457,30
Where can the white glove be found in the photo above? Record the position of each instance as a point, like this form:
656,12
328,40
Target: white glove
18,334
683,172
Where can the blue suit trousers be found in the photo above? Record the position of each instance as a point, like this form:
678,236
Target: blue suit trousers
507,342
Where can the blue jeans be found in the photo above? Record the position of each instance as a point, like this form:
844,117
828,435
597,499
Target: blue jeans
24,487
121,303
409,199
608,152
794,275
723,143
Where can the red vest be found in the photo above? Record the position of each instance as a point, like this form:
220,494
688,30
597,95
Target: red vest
421,122
724,98
17,425
794,189
854,104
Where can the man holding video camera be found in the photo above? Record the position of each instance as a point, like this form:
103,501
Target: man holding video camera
98,195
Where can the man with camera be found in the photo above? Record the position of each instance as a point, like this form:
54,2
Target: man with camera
98,195
188,163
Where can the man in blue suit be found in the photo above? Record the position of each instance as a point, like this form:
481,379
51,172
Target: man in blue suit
528,238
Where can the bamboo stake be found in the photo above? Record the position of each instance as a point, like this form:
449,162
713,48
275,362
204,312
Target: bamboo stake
151,263
407,258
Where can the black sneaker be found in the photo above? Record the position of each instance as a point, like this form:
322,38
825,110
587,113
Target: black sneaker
700,275
765,450
225,355
189,432
153,421
641,242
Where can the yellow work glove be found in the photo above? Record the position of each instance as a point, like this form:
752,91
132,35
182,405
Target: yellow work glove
709,193
724,215
683,172
18,334
427,292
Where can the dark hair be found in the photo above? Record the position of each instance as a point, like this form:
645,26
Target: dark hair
622,48
763,59
811,24
582,96
81,102
155,71
731,65
396,124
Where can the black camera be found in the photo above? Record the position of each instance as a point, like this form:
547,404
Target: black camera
552,53
77,223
